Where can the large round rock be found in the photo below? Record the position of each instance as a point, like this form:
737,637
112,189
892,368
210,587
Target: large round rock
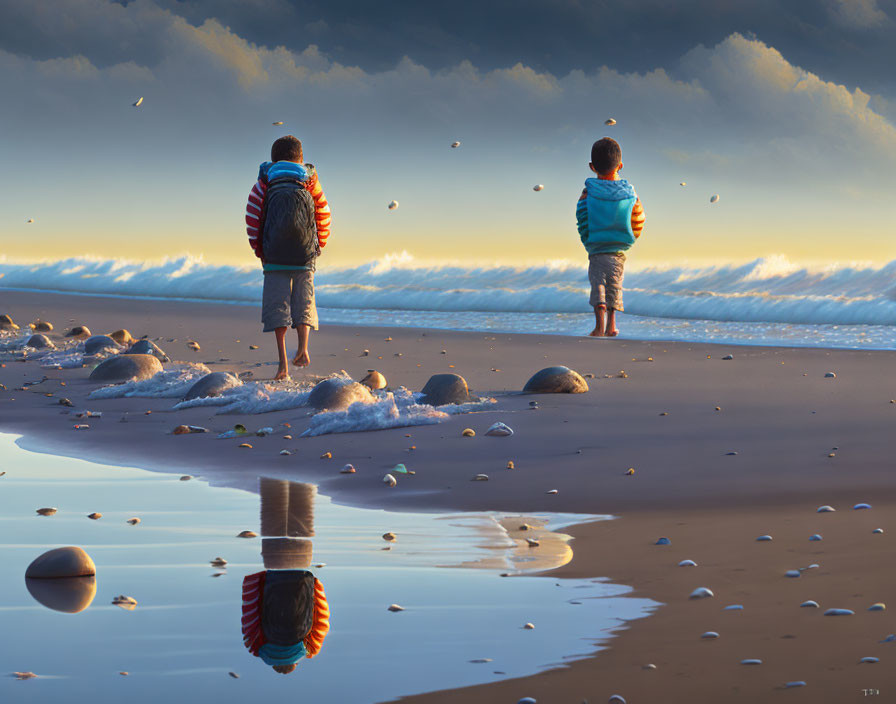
79,331
68,594
98,343
556,380
213,384
62,562
40,342
148,347
337,394
442,389
6,323
124,367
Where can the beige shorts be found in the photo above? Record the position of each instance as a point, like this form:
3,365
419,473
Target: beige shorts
287,300
605,272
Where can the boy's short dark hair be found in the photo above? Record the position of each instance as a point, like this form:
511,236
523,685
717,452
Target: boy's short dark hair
287,148
606,155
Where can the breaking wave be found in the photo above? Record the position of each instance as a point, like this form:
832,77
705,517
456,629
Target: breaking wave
771,289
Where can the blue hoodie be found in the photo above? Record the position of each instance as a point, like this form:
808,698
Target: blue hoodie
604,215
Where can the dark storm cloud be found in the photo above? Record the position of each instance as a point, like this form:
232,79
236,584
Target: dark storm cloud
847,40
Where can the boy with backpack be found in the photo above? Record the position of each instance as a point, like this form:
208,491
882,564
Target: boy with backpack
288,222
610,218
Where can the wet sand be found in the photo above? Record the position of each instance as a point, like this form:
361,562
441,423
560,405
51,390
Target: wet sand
778,413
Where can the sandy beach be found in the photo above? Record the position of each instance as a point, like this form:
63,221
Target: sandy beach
674,412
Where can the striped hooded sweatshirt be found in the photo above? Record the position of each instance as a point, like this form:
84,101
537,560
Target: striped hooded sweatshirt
609,216
305,173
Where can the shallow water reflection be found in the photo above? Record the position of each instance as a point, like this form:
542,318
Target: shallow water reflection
184,636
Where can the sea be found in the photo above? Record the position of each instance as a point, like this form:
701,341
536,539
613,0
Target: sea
769,301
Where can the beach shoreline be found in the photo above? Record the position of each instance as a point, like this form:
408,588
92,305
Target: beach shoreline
777,412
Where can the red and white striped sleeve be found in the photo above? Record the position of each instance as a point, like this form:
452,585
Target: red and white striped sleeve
253,216
321,209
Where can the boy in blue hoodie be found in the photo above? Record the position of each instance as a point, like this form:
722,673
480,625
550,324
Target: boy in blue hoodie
610,218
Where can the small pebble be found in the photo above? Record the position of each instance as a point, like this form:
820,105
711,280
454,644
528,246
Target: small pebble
839,612
285,452
186,478
218,562
528,626
663,541
395,607
859,507
616,699
815,538
94,516
830,375
389,537
728,357
499,430
809,604
687,563
890,638
348,469
649,666
879,606
389,480
630,471
31,675
253,347
751,661
731,454
133,521
764,539
869,660
701,593
526,700
510,465
125,602
480,478
533,543
245,445
795,683
734,607
247,534
710,635
124,673
287,437
825,509
468,433
234,675
878,531
792,573
552,491
327,456
46,511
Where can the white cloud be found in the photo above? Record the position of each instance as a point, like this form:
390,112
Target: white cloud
857,14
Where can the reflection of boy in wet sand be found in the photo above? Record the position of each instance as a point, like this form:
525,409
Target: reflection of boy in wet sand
285,612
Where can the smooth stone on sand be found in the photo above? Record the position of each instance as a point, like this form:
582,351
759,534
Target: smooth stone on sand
528,626
6,323
878,531
394,608
839,612
40,342
148,347
687,563
701,593
859,507
41,326
751,661
815,538
126,367
710,635
468,433
444,389
98,343
122,337
830,375
825,509
809,604
374,380
795,683
792,573
247,534
69,595
663,541
763,538
556,380
616,699
890,638
69,561
78,331
389,480
499,430
869,660
879,606
212,384
527,700
728,357
734,607
337,394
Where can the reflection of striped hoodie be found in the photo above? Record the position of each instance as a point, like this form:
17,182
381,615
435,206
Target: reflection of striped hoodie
308,175
609,215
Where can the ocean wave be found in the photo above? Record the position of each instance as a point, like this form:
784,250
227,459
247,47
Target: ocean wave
770,289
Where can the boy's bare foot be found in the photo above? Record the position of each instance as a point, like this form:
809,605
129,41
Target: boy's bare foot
302,359
282,373
612,333
595,333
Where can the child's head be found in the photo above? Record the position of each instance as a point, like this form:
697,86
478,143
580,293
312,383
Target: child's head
606,157
287,148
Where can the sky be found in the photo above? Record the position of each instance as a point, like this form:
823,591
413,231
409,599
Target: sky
787,110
